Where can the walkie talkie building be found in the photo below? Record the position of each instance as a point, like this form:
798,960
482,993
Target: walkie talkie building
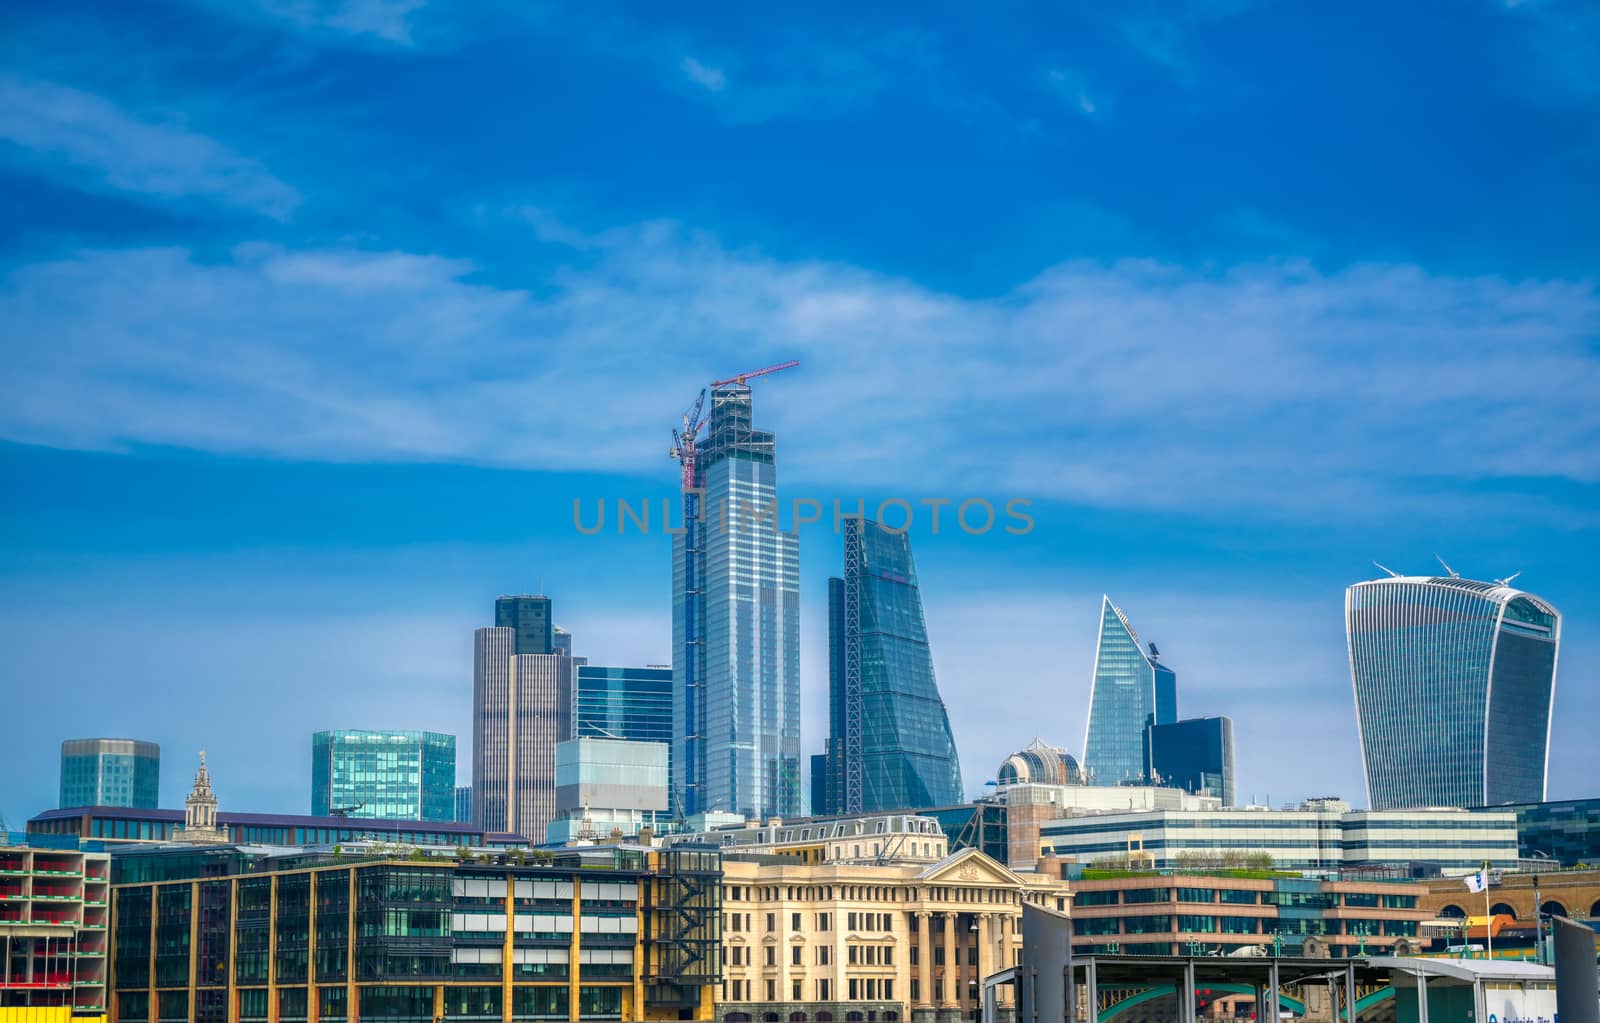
1454,682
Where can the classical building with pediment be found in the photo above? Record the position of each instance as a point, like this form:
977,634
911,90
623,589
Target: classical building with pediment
863,941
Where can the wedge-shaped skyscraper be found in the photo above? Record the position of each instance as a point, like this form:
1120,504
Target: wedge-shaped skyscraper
1454,681
1131,690
891,746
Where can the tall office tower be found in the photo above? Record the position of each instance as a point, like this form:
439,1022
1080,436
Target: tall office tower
622,703
1195,755
110,772
1454,683
560,641
529,617
891,734
463,804
521,707
385,774
736,627
1130,689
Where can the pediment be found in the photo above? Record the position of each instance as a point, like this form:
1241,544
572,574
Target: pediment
968,866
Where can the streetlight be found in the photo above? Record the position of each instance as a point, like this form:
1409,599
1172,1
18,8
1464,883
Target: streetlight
1538,912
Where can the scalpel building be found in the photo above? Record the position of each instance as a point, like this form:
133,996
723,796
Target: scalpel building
1454,682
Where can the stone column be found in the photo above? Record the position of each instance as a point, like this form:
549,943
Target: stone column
952,968
924,962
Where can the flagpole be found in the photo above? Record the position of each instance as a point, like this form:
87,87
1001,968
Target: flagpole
1488,921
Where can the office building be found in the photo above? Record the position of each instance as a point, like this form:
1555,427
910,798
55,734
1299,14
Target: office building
614,933
110,772
890,733
608,788
1042,783
736,626
1129,691
463,814
560,641
1454,682
388,774
1566,831
1140,913
528,618
55,908
622,703
861,939
202,823
521,707
1320,836
1195,755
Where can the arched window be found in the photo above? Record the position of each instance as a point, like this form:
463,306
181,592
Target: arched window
736,1017
824,1017
769,1017
1454,912
1502,909
891,1017
1554,908
797,1017
854,1017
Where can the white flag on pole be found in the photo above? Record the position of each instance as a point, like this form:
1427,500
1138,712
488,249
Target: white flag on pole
1477,882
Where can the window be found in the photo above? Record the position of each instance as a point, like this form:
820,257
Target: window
772,921
794,921
824,921
794,991
772,956
772,991
824,955
794,954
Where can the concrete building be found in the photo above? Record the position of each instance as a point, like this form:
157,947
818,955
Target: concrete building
1324,838
55,908
110,772
521,707
1138,913
250,934
893,941
393,775
870,838
606,788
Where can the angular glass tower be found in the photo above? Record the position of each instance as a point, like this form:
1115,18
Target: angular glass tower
891,745
736,628
1131,689
384,774
1454,683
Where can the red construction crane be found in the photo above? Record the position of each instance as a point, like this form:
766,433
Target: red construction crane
742,377
683,441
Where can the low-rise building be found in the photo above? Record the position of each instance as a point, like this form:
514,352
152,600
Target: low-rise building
853,938
1320,836
54,913
1149,913
1567,830
217,934
903,837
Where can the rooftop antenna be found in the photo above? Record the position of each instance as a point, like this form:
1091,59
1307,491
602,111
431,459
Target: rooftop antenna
1507,580
1392,573
1453,573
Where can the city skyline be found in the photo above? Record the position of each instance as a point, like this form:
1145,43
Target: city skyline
308,364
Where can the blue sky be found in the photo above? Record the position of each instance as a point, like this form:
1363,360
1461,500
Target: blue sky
319,314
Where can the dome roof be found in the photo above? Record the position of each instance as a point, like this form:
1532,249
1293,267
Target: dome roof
1040,764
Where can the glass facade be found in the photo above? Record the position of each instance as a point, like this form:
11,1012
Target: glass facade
1454,681
622,703
1195,755
891,720
384,774
1130,691
736,627
528,617
1567,831
110,772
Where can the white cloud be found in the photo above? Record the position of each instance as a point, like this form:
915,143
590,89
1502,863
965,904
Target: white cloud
1071,88
709,77
390,21
1267,388
92,141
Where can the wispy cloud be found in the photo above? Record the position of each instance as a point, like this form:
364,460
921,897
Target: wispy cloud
1072,88
390,22
708,77
91,141
1562,48
1269,387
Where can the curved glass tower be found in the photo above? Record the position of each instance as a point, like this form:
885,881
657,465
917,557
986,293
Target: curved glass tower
891,747
1130,690
1454,680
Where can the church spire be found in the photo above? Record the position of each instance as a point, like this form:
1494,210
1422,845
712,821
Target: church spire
200,810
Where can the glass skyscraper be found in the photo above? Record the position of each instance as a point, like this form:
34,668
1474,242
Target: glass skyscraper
622,703
1195,755
384,774
891,739
110,772
1131,690
736,628
529,617
1454,681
